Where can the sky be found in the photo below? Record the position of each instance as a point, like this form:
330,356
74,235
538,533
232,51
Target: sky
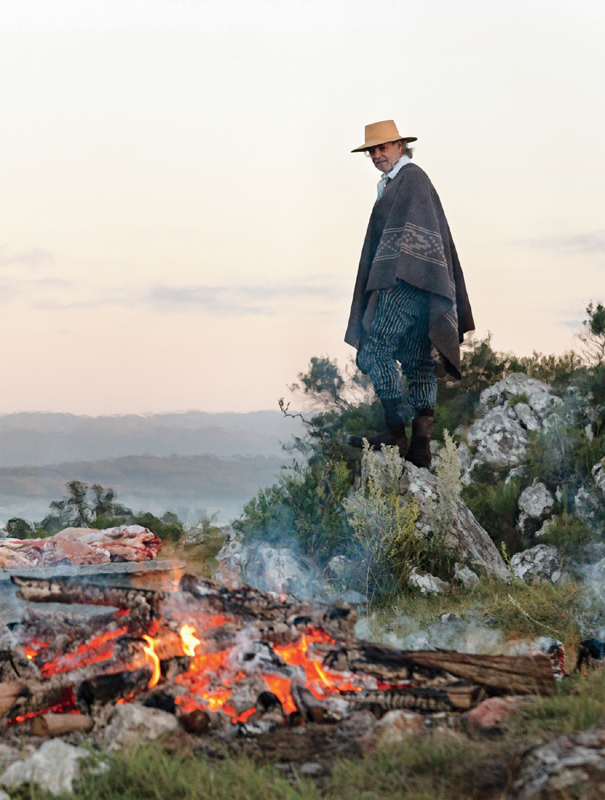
180,214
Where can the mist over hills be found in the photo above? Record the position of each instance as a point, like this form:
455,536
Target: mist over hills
184,462
46,438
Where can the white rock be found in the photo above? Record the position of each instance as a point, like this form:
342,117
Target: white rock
499,439
465,538
526,417
132,723
274,569
545,527
540,396
539,564
465,575
398,725
516,472
4,795
598,476
339,566
53,768
428,584
536,500
338,708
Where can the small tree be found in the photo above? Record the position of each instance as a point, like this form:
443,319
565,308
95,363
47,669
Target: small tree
592,336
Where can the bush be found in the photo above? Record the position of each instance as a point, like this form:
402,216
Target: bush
17,528
167,528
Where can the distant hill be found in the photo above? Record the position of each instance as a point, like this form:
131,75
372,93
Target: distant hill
184,484
181,462
39,438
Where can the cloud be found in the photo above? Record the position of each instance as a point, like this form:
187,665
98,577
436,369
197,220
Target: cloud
13,288
575,243
235,300
218,301
34,258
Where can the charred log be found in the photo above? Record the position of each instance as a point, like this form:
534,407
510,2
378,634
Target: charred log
14,664
143,604
277,619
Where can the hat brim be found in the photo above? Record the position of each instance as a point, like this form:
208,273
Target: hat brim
376,142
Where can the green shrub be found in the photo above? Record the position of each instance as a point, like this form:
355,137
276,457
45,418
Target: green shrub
17,528
494,504
166,528
569,534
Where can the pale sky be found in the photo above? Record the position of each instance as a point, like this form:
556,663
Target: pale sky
180,214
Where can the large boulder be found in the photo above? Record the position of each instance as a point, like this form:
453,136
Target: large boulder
131,723
464,537
539,564
499,438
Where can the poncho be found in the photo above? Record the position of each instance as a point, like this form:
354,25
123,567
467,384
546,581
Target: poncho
408,238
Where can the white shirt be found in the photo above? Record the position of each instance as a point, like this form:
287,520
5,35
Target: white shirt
388,176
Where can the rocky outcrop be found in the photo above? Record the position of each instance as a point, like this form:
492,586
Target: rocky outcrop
464,537
570,766
507,410
538,564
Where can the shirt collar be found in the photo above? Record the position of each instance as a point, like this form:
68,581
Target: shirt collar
401,163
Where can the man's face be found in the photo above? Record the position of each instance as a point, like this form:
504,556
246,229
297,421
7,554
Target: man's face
385,156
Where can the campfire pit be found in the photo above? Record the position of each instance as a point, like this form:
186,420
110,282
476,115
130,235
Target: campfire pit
221,658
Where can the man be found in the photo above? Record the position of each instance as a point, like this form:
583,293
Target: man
410,299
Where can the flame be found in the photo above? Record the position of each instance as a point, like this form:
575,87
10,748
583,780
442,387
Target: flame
65,706
296,656
280,687
151,656
190,642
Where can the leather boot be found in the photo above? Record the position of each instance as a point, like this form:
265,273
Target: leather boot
394,433
419,452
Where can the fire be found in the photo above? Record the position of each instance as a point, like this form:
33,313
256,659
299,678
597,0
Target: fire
280,687
319,681
151,656
190,642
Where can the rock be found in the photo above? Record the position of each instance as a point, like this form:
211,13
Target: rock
598,476
540,397
353,597
397,726
273,569
539,564
586,504
465,575
536,501
526,417
337,708
132,723
571,765
428,584
546,526
490,713
53,768
451,618
339,567
310,768
4,795
498,439
465,538
516,472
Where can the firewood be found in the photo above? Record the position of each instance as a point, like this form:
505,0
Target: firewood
9,692
511,674
280,619
143,604
59,724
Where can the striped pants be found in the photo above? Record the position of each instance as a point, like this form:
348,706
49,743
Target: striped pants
401,318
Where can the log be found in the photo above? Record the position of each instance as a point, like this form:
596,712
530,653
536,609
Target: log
143,604
100,690
510,674
60,724
9,692
278,619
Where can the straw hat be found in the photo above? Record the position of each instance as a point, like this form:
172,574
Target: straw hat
381,133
